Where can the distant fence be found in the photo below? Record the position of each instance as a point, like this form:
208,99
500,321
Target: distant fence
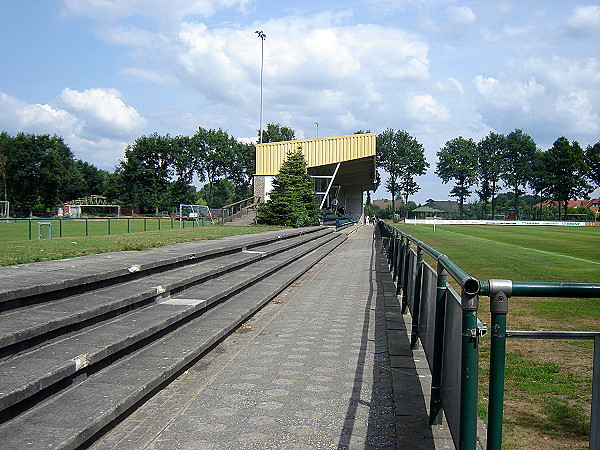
446,323
43,228
498,222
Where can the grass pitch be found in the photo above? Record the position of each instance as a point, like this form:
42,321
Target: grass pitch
548,383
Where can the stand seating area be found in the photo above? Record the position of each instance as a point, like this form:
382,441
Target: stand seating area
84,341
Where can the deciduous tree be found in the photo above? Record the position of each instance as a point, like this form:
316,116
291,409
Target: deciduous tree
592,159
565,164
517,156
403,158
277,133
489,157
458,161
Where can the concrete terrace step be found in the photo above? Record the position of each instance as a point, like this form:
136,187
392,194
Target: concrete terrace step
20,378
156,320
30,322
36,279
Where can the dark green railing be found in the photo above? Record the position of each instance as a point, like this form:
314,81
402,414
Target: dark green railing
446,323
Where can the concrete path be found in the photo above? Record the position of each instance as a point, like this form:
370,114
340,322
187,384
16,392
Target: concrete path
326,364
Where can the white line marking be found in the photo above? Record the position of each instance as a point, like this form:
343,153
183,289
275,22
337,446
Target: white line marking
525,248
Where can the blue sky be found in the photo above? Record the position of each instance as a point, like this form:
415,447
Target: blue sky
101,73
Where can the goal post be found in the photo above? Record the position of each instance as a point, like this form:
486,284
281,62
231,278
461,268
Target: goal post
194,212
4,209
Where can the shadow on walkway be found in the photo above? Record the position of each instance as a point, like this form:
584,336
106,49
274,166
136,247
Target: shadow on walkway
398,416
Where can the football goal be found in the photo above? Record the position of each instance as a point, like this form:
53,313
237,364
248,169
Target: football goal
195,213
4,209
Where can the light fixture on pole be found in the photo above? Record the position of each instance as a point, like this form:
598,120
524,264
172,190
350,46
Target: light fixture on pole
317,124
262,37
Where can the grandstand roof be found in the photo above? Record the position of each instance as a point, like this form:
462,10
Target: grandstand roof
355,153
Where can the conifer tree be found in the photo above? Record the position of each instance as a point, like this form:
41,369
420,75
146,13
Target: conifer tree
292,200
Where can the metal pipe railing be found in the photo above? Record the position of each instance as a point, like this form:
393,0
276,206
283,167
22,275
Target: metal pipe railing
500,291
398,245
469,287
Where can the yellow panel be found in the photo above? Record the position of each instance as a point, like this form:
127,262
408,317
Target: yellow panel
318,152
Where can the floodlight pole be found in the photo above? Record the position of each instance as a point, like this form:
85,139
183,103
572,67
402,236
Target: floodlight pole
262,37
317,124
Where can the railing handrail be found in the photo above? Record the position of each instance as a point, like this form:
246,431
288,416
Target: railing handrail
253,198
499,292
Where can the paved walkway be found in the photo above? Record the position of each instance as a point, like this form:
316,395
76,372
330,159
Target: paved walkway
324,365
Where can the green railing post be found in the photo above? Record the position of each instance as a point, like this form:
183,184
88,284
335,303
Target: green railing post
500,292
435,408
159,224
87,227
404,283
396,250
60,227
404,245
417,299
128,225
390,249
109,226
595,413
145,224
30,234
469,363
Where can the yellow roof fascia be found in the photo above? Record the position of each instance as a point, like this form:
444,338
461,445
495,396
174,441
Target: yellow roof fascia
318,151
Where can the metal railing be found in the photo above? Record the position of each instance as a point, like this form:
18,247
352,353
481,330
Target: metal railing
240,208
446,323
35,228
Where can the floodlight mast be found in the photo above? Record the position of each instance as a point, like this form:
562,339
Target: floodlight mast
262,37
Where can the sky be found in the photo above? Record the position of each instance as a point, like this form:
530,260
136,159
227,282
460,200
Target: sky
101,73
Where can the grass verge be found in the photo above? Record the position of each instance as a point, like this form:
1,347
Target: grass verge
26,251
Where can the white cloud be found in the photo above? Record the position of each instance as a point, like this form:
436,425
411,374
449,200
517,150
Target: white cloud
158,9
17,115
104,112
516,32
131,36
307,68
450,85
425,108
585,21
547,97
578,104
510,94
460,15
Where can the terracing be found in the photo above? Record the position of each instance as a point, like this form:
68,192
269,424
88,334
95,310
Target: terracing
88,341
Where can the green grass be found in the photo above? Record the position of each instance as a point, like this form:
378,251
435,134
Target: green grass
548,387
19,229
26,251
559,392
518,253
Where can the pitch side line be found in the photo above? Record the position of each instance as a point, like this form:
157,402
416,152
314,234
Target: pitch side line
524,248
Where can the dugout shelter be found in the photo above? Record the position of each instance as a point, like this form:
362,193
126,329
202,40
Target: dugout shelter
342,167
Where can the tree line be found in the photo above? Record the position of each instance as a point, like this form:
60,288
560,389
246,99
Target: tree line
565,171
39,172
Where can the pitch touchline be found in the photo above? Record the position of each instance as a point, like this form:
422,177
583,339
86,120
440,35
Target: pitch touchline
524,248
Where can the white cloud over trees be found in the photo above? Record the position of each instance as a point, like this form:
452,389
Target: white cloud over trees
437,68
